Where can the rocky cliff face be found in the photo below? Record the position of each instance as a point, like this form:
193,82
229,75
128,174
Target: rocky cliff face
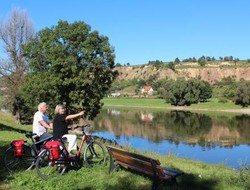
210,74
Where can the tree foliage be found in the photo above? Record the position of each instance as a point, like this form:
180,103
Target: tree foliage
226,89
158,64
69,64
243,93
177,60
171,65
186,92
202,61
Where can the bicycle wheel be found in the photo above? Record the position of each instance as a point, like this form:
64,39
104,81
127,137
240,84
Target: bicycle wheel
18,163
46,168
94,154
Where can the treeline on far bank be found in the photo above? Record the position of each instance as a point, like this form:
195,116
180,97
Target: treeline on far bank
201,61
182,92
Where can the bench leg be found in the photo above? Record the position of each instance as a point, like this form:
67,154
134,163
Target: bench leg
111,162
155,184
111,166
172,183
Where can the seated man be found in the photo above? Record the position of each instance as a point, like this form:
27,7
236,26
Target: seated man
41,122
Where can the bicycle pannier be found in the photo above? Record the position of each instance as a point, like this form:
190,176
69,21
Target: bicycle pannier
18,147
54,151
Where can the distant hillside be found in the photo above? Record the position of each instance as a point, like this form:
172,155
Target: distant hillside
212,72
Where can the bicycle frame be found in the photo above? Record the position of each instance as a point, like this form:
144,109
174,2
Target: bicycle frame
85,138
65,154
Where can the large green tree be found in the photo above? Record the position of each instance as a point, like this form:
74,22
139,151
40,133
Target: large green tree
186,92
69,64
177,92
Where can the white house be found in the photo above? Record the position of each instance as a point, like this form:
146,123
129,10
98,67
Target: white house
147,89
115,94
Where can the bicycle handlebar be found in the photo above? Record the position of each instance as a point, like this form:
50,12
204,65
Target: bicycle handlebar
82,126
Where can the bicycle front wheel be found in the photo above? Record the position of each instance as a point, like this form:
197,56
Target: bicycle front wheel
46,168
94,154
18,163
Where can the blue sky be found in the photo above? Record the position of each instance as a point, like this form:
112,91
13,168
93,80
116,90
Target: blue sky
148,30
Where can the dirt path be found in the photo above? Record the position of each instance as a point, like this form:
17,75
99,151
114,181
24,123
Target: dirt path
243,111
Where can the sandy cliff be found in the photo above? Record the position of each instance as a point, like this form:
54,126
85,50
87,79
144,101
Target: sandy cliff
210,74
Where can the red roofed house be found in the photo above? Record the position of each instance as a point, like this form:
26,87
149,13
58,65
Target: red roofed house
147,89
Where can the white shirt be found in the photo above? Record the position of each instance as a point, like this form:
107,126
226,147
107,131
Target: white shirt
37,127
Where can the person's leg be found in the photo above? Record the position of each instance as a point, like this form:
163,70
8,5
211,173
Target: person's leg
71,139
45,136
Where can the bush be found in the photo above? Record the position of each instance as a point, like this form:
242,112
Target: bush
223,100
243,93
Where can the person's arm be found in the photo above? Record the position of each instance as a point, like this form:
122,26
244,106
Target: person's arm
43,123
74,115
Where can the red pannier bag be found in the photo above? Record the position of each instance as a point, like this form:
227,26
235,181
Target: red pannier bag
18,147
54,150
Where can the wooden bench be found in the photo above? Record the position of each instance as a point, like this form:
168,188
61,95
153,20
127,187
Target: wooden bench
145,165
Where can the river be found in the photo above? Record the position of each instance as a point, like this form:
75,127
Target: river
215,139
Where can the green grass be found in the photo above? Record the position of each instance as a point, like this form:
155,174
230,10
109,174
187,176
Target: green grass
198,175
146,102
129,90
2,101
212,104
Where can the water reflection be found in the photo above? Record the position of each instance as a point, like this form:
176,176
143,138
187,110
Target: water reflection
184,133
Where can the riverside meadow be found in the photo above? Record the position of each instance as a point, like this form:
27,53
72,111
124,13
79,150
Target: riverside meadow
198,175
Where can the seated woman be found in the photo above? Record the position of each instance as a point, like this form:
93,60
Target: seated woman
60,127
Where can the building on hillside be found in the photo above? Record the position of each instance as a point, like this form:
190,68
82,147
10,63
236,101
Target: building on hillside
3,88
147,90
114,94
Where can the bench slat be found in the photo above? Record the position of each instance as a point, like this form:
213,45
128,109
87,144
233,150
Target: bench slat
138,169
133,161
140,157
142,164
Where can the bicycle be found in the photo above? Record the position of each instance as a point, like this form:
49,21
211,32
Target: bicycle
21,155
55,158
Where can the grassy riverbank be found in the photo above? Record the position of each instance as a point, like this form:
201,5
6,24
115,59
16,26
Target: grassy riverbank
198,175
159,104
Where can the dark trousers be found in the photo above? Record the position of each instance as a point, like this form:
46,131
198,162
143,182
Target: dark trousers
45,136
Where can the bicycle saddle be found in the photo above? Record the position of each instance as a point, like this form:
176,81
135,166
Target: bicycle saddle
63,139
32,135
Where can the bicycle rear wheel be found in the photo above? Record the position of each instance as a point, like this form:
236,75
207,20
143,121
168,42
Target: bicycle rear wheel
17,163
46,168
94,154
